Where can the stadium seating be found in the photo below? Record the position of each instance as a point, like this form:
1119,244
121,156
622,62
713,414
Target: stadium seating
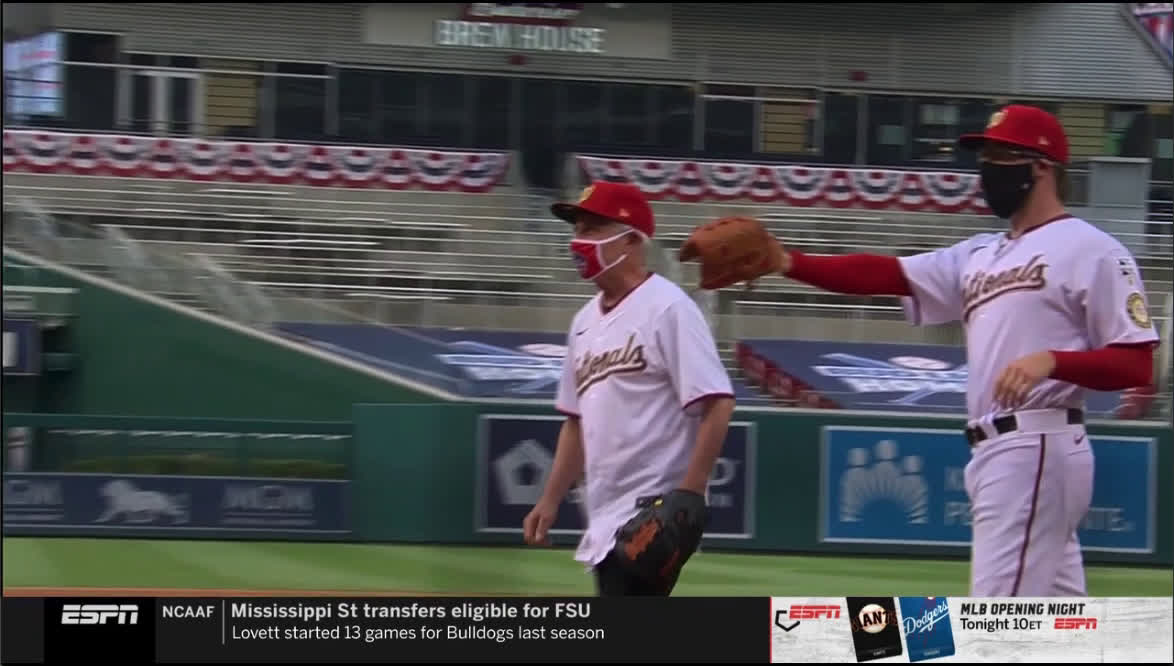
448,240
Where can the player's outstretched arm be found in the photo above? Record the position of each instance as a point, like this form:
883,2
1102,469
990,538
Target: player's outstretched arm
711,433
867,274
566,470
741,249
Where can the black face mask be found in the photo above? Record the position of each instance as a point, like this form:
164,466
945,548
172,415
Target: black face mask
1006,186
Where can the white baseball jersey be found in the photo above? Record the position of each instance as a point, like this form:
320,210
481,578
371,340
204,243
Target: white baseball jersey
1064,286
633,375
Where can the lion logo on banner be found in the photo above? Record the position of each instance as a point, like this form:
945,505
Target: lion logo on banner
132,505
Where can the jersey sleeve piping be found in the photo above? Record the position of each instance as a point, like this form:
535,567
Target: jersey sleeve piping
705,396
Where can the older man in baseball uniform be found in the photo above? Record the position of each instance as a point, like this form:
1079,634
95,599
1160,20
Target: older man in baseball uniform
1051,307
647,402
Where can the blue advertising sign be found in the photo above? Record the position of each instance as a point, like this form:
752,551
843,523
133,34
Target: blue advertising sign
516,454
22,347
922,378
905,486
492,364
146,505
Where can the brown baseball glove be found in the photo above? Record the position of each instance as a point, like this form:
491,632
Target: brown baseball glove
733,250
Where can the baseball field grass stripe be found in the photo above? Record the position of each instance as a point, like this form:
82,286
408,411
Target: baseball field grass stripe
429,569
32,560
252,564
495,569
107,562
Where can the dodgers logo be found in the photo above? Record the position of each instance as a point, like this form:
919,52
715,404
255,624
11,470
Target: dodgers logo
926,624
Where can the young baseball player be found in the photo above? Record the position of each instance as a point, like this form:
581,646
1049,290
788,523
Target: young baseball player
647,402
1051,307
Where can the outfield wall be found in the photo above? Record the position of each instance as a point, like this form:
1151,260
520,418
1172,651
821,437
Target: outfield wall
823,481
140,358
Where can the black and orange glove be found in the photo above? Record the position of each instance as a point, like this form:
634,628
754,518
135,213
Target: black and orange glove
657,542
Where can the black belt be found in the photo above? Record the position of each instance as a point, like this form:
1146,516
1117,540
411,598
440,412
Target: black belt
1006,424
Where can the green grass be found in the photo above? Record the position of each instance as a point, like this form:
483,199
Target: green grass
53,562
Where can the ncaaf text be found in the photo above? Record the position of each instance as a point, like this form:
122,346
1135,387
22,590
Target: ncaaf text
245,610
385,610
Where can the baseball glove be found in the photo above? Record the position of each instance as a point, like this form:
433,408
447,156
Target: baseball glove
733,250
657,542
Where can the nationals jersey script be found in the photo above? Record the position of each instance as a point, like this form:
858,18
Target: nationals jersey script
1065,285
633,376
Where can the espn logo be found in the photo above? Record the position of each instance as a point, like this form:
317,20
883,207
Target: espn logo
805,612
799,612
100,614
1076,623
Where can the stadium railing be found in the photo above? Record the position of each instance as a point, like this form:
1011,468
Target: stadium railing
191,279
267,252
437,247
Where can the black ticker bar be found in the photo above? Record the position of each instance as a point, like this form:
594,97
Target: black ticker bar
390,629
22,630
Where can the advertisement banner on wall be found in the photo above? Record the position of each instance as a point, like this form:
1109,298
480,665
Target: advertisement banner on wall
33,75
586,30
148,505
22,347
516,453
906,486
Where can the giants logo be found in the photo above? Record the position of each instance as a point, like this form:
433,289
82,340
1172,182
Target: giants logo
805,612
981,288
595,368
873,619
1076,623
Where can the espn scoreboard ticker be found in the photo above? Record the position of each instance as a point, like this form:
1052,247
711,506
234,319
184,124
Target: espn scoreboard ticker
753,629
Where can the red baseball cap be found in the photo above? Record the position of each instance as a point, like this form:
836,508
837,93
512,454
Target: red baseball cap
1026,127
621,202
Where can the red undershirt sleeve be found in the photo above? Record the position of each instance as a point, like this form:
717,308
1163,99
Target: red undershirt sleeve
871,274
1112,368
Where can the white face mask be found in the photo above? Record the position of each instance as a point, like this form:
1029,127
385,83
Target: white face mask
588,255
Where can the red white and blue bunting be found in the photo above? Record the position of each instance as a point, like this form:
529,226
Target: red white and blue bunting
943,192
247,162
1157,20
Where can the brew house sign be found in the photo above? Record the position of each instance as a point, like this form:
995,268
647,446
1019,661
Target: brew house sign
521,26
